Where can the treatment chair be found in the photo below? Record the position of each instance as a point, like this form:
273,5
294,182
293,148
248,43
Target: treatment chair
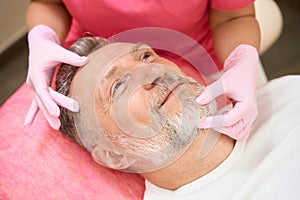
270,22
37,162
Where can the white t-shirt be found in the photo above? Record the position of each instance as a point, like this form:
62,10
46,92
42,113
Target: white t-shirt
266,166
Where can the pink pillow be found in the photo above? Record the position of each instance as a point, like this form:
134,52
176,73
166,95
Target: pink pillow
37,162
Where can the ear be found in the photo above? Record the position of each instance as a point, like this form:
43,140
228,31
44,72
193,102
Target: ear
112,158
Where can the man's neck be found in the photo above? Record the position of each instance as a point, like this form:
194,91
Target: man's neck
190,166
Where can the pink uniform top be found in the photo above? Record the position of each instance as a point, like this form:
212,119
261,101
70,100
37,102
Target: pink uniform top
106,18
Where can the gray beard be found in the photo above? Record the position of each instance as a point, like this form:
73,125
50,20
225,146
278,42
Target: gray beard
175,132
182,127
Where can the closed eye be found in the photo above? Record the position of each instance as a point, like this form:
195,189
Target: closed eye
147,56
115,86
119,85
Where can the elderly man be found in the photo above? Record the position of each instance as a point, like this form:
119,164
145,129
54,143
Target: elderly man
138,114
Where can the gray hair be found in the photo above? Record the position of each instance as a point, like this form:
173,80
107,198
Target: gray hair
64,77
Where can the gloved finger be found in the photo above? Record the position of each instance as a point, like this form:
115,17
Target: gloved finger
66,56
54,122
217,123
238,112
243,134
47,101
238,131
64,101
28,81
206,123
211,92
31,114
234,130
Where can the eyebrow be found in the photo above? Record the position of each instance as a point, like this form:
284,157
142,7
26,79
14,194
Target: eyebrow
137,47
115,68
111,72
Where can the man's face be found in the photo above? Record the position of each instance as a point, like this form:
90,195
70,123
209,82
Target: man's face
158,96
117,78
141,93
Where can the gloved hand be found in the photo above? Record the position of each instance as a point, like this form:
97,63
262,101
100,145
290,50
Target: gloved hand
45,53
239,83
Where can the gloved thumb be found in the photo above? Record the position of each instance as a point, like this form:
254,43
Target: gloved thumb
68,57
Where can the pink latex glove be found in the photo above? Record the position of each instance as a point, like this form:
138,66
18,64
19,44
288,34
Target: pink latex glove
239,84
45,53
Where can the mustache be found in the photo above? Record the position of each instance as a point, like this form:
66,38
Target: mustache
167,84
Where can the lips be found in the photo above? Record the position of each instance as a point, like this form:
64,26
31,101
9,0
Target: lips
170,92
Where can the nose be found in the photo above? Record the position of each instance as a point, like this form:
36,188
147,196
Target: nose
149,86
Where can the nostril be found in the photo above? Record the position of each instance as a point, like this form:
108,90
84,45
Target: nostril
151,85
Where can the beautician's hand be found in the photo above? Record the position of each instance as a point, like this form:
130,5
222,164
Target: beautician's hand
239,83
45,53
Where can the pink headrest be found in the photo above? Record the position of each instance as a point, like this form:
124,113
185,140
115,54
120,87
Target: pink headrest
37,162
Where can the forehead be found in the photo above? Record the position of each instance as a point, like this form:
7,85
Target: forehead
100,61
112,52
106,58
